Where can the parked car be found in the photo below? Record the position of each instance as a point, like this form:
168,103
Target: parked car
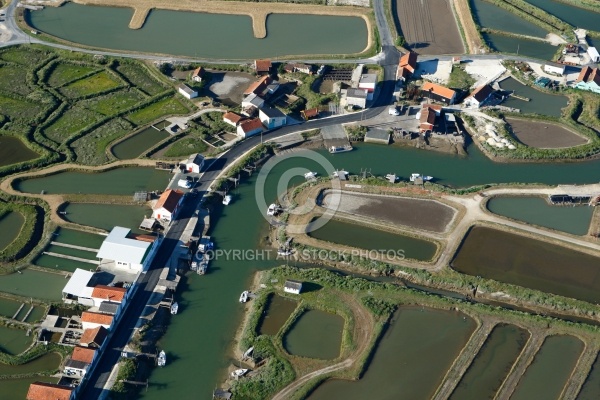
393,111
184,183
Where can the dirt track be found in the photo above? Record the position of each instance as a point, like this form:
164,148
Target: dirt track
465,17
544,135
363,331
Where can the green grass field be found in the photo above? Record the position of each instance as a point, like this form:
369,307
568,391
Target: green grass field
70,122
167,106
65,72
91,148
113,103
19,109
13,79
94,84
140,78
20,55
186,146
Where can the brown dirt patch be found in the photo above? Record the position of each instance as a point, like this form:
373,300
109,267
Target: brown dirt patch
229,87
474,42
543,135
429,27
415,213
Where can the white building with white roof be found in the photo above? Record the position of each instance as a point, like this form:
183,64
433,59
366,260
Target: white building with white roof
127,253
77,290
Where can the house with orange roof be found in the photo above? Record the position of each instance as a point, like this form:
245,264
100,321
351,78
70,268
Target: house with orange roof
79,361
439,93
588,79
49,391
479,96
259,86
232,118
263,67
101,293
93,338
198,74
406,66
427,117
168,204
91,320
250,127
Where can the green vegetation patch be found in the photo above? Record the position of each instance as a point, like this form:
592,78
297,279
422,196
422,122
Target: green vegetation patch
64,72
113,103
23,55
30,232
306,91
97,83
14,79
91,148
186,146
19,109
167,106
138,76
460,79
70,122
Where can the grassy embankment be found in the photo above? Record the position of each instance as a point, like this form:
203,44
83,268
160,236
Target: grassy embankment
329,290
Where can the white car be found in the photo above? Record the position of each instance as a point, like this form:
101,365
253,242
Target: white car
393,111
184,183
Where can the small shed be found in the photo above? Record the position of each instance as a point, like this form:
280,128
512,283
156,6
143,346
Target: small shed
194,163
377,136
291,286
187,91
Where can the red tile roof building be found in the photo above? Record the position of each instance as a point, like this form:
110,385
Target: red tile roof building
109,293
48,391
232,118
83,354
93,337
96,318
438,93
169,200
407,65
263,67
259,86
250,127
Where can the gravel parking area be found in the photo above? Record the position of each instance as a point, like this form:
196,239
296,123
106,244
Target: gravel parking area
423,214
229,86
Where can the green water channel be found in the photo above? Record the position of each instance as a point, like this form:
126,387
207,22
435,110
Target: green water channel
47,362
411,359
488,15
70,236
135,145
13,341
212,299
578,17
107,216
118,181
35,284
540,102
531,263
520,46
10,226
277,312
231,36
9,307
591,387
316,334
13,150
537,211
362,237
492,364
551,368
17,388
78,238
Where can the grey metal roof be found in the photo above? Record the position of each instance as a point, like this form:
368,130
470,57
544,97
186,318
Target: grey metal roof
76,364
117,246
187,89
195,159
272,112
293,284
378,134
368,78
109,307
357,93
78,283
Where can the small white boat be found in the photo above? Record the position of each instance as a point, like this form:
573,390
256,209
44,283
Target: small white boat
226,200
340,149
239,372
424,177
248,353
272,210
310,175
244,296
284,252
162,358
174,308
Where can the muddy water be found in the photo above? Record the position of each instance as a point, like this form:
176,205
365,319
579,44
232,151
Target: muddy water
13,341
492,364
540,102
591,388
36,284
13,150
316,334
411,359
47,362
537,211
548,373
373,239
10,226
166,32
107,216
531,263
578,17
277,311
488,15
138,143
119,181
